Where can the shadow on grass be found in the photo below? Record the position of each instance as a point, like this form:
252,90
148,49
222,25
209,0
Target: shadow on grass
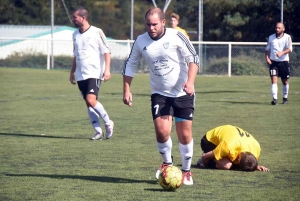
88,178
223,91
240,102
38,136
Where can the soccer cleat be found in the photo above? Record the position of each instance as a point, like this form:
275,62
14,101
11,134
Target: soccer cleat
161,167
97,136
274,102
109,129
285,101
187,178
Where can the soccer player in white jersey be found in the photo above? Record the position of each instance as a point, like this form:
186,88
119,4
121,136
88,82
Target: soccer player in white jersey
173,66
277,56
91,64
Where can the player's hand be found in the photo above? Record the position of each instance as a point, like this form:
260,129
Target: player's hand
189,88
262,168
106,76
268,61
72,78
127,98
279,54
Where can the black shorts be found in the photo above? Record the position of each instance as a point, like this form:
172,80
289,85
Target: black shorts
280,69
180,107
206,145
89,86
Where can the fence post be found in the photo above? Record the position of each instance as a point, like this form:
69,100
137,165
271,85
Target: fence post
128,47
229,59
48,55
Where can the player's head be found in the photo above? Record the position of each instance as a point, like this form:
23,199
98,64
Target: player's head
279,29
248,162
155,22
80,16
174,20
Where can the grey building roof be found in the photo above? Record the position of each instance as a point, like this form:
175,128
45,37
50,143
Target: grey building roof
29,31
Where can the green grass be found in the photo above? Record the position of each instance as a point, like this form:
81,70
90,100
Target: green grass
45,153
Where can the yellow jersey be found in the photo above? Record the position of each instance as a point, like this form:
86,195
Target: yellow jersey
231,141
183,31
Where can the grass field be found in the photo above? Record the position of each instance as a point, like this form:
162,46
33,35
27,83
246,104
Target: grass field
45,153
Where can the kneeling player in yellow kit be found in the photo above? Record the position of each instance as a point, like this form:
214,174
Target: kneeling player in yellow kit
227,147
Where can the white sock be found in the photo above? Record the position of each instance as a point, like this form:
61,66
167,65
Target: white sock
274,90
101,111
186,152
165,150
285,90
94,118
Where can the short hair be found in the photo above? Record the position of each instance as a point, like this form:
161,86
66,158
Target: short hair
248,162
82,11
176,16
280,23
154,10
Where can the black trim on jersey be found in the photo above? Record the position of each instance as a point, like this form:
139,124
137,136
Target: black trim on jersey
85,30
189,46
156,39
125,63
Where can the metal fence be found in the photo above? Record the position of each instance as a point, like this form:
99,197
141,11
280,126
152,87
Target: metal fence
217,58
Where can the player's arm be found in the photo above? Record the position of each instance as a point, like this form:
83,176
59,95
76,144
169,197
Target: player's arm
129,70
206,157
106,74
189,85
127,96
267,56
267,52
72,76
224,163
288,49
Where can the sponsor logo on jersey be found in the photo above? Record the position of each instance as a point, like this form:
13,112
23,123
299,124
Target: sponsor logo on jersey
145,48
166,45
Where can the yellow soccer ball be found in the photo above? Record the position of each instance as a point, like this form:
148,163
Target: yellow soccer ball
170,178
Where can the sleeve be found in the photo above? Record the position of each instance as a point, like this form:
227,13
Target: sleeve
221,151
104,48
73,39
187,50
132,61
289,43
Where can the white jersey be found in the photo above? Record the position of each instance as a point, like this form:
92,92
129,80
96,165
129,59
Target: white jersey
278,45
167,60
89,49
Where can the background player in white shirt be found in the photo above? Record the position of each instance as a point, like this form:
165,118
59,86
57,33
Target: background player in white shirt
173,66
91,64
277,56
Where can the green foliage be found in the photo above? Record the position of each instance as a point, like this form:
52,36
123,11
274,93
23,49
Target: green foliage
240,65
45,153
223,20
